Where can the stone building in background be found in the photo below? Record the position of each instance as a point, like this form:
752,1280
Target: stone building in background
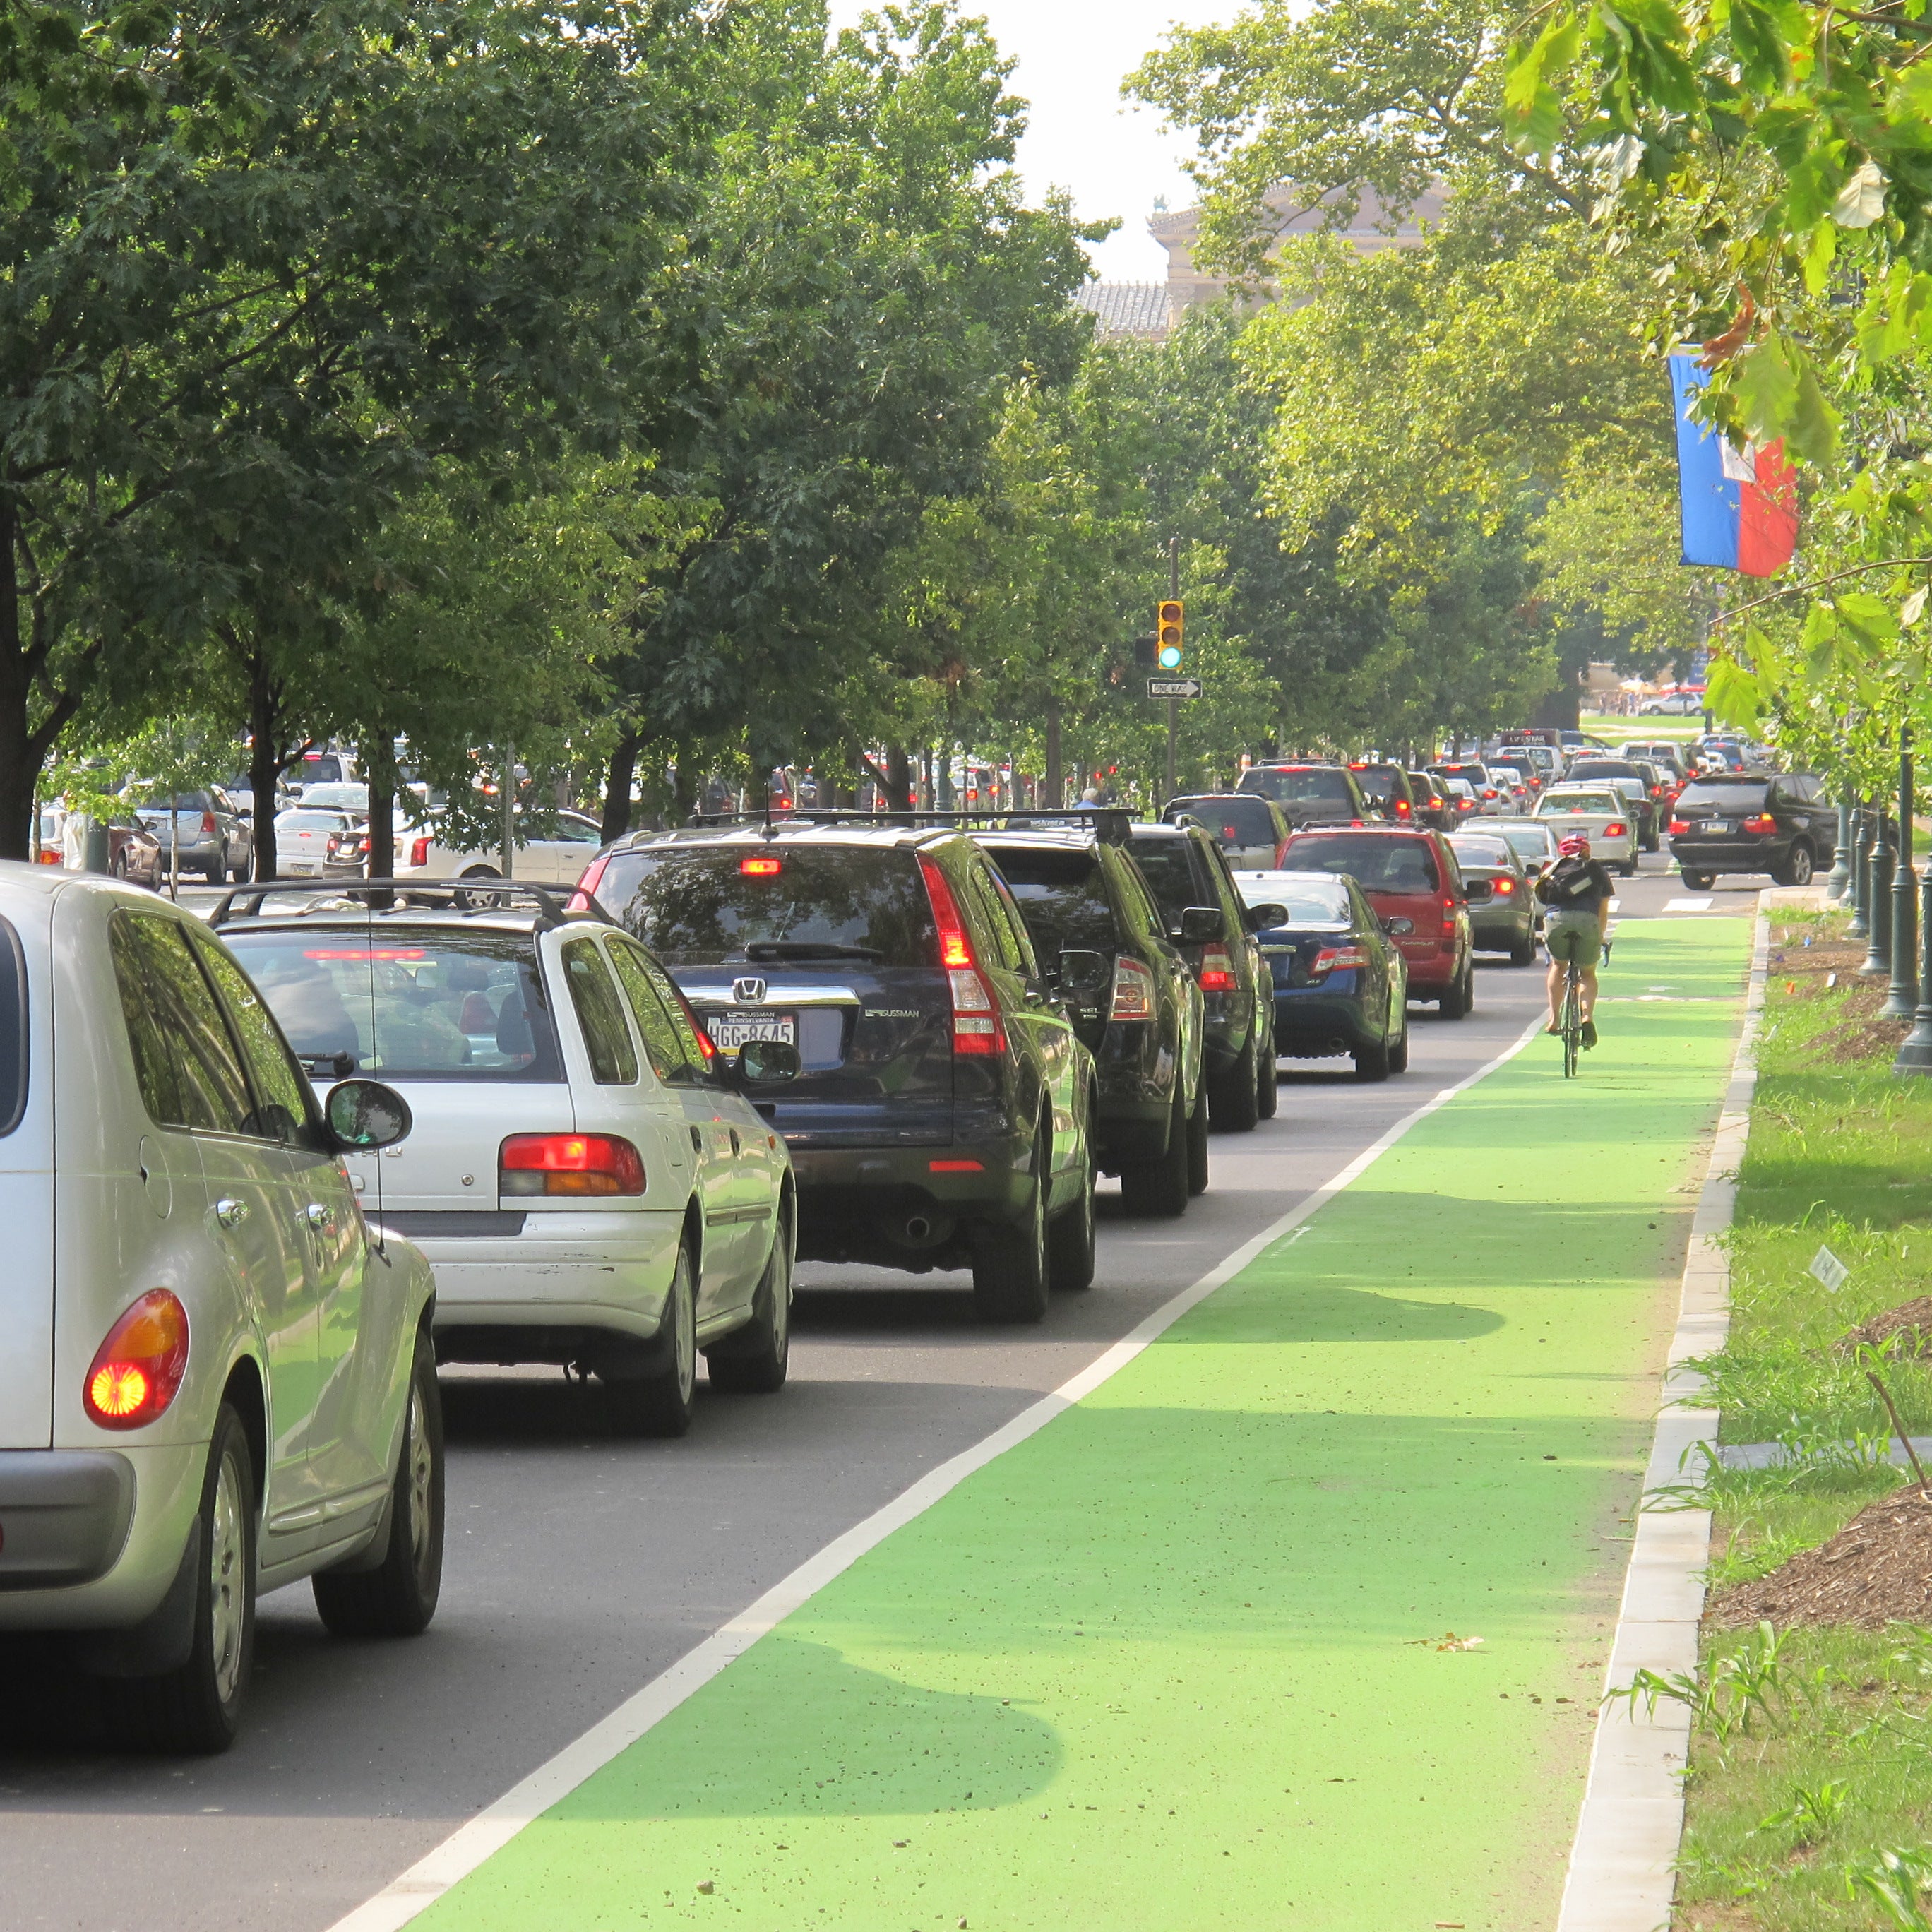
1149,310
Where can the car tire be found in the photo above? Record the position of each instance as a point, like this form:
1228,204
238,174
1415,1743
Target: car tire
1268,1080
1453,1003
1522,952
1069,1238
1232,1096
1797,866
197,1707
1628,868
753,1359
215,872
1398,1052
1372,1062
661,1404
1009,1259
1159,1187
1699,882
398,1598
1197,1143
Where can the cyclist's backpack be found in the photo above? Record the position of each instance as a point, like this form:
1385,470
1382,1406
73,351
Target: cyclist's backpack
1565,882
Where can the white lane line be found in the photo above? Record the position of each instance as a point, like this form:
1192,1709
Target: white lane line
491,1829
1623,1864
1688,905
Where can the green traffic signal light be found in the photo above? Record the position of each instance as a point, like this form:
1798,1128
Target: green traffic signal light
1168,635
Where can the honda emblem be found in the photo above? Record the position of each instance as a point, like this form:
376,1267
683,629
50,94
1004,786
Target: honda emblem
748,992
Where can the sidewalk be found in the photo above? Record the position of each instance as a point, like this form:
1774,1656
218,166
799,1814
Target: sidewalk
1175,1661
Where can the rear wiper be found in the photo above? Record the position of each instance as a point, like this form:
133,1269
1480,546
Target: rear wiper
760,950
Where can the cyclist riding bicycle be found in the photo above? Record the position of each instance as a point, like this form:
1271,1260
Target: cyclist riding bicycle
1576,892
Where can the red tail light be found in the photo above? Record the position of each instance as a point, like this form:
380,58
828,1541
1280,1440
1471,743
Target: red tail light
580,900
1489,791
1401,809
955,945
1337,959
1448,912
761,865
1616,829
137,1371
1762,821
1217,970
976,1025
1133,990
1505,887
1356,824
419,854
568,1164
50,855
1680,825
208,827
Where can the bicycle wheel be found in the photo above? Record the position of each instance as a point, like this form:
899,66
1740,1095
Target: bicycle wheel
1573,1021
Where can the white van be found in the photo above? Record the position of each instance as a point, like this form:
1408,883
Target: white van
218,1377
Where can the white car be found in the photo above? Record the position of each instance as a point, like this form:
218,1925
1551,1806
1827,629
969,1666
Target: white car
319,844
559,858
336,797
1672,704
1601,813
217,1379
588,1178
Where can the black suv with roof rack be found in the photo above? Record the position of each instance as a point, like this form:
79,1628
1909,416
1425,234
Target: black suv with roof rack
1310,794
1140,1013
942,1115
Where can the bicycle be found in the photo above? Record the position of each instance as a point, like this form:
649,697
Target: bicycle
1570,1021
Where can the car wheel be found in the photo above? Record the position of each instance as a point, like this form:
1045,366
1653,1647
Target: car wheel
1372,1062
1453,1002
216,870
1232,1095
482,872
197,1707
1522,952
1398,1052
1159,1187
1797,868
1267,1079
1009,1262
239,874
660,1405
1197,1143
398,1596
1069,1240
1699,882
752,1360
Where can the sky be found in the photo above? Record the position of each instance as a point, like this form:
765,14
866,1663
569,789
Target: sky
1116,160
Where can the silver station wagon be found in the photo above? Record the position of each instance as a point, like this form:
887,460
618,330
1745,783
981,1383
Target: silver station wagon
218,1378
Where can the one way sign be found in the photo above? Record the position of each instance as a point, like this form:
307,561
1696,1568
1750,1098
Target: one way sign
1173,687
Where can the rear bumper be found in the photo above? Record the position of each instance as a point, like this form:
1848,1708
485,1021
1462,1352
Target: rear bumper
1732,855
910,1208
1311,1026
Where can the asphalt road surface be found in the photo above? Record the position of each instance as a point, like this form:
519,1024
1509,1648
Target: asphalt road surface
579,1566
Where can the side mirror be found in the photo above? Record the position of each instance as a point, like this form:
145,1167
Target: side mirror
366,1114
1478,892
768,1063
1259,918
1393,926
1083,972
1198,926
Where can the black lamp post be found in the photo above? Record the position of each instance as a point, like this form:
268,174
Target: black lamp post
1878,955
1838,880
1862,832
1901,999
1915,1054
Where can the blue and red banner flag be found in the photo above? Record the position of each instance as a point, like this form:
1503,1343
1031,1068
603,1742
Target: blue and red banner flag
1739,507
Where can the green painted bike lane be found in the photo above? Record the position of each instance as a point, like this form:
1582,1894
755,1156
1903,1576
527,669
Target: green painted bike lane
1172,1661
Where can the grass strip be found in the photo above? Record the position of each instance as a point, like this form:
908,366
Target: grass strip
1201,1653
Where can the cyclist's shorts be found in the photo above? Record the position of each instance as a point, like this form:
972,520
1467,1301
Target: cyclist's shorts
1573,935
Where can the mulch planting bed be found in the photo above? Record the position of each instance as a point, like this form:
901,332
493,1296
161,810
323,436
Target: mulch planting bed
1876,1570
1912,1319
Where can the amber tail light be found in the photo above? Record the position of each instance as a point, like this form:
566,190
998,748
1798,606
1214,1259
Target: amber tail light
137,1370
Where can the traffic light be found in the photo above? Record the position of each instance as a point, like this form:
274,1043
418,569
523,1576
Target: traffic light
1167,634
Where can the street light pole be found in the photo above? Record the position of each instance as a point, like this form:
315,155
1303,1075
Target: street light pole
1915,1054
1878,955
1838,880
1862,831
1902,995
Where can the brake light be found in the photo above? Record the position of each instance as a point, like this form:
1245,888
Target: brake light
761,866
1505,887
976,1026
1761,821
1217,970
1402,808
955,947
208,827
1133,990
419,852
586,886
1489,791
1616,829
49,856
137,1370
1337,959
568,1164
1356,824
1448,912
1680,825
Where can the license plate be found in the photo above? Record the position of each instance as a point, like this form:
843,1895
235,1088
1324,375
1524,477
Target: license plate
1713,825
729,1031
304,865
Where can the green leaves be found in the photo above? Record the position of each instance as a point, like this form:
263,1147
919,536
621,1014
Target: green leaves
1532,107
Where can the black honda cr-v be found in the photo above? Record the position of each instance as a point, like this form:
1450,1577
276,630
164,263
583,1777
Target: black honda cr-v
943,1114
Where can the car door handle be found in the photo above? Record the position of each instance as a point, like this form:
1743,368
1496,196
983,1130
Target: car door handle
228,1213
737,1145
321,1218
697,1141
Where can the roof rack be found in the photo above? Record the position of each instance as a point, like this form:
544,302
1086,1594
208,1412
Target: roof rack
1110,822
465,896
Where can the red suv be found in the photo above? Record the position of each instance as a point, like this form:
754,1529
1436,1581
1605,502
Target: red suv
1411,878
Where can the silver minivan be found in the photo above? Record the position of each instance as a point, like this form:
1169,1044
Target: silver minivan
218,1378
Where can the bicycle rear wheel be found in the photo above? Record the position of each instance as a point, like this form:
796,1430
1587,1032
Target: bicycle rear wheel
1573,1021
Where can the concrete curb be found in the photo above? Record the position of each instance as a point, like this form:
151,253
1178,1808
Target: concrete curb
1623,1862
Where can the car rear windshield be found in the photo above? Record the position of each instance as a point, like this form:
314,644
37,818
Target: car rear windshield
1532,841
1298,784
427,1004
1476,774
1604,768
1480,851
1378,783
1375,860
1062,896
312,821
1309,902
1229,821
1555,804
703,907
1168,865
1724,797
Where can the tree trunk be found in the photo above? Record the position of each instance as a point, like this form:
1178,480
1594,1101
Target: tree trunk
899,779
19,768
381,771
684,795
1053,797
265,762
617,787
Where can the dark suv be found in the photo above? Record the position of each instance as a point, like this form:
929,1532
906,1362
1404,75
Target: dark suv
1082,894
1207,919
942,1113
1310,794
1752,822
1400,798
